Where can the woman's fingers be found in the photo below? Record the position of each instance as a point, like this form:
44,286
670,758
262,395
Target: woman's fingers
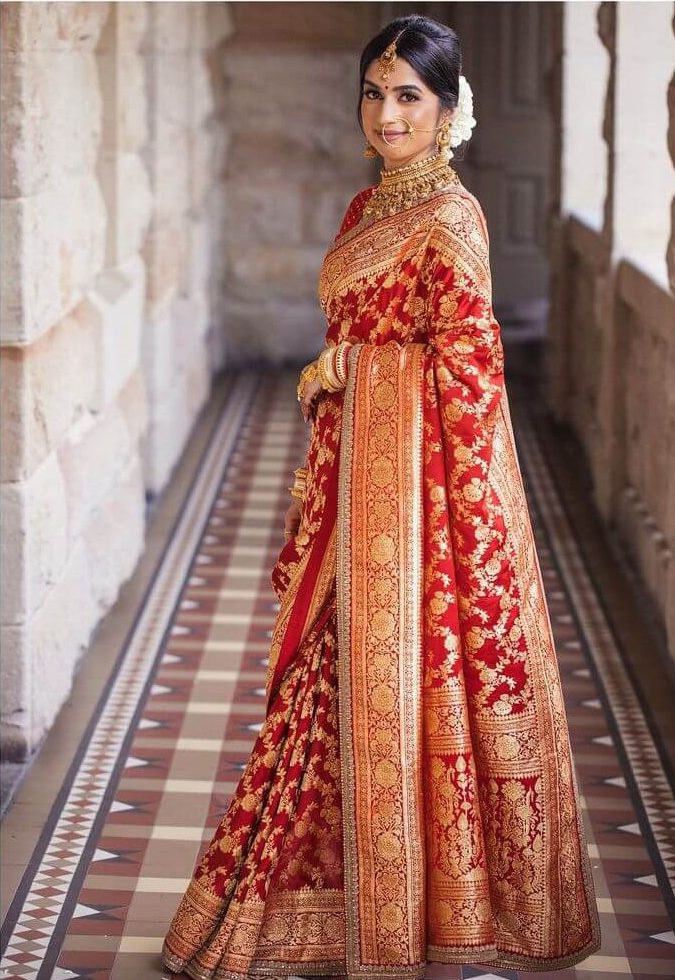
310,391
292,520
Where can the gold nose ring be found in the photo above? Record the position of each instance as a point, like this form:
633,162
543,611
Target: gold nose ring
408,126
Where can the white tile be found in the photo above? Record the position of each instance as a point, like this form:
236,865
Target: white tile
141,944
173,886
177,833
199,745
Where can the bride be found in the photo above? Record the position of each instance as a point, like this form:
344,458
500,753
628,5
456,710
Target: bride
411,796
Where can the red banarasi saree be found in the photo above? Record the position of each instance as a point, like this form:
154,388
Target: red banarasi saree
411,796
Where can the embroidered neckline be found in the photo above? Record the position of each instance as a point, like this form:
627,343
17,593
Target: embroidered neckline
403,187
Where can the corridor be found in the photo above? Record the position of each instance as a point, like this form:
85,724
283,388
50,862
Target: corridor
101,838
176,175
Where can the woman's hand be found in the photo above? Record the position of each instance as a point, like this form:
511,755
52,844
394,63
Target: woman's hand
309,393
292,519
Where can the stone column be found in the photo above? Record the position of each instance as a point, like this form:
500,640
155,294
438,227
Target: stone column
181,338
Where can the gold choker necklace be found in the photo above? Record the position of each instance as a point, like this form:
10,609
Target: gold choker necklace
405,186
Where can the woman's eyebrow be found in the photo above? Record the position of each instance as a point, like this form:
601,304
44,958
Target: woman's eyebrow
397,88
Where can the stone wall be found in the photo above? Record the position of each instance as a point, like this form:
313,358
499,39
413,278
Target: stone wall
295,161
612,359
111,327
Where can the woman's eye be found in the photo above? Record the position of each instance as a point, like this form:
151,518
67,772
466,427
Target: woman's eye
411,96
370,92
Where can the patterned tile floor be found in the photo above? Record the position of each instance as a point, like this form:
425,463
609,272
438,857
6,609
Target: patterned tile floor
172,732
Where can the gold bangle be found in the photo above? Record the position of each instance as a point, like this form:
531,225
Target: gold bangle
321,368
326,366
341,359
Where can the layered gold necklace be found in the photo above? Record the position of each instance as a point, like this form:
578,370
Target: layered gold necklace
405,186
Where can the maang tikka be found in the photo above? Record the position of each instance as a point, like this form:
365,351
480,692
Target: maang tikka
385,63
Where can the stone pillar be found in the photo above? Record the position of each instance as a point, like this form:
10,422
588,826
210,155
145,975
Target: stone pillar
181,342
74,409
613,359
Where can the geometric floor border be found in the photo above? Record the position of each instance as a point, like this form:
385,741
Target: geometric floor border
51,877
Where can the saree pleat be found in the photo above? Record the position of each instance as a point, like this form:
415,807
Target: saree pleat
281,836
412,794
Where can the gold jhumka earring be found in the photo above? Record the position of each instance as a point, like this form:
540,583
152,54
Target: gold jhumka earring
443,141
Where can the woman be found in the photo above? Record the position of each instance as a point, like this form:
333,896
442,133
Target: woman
411,795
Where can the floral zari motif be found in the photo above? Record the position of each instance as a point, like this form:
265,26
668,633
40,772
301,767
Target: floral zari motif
411,795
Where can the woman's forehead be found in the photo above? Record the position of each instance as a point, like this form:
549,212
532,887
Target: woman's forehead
403,74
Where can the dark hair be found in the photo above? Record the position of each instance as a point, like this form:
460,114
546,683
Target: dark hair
431,48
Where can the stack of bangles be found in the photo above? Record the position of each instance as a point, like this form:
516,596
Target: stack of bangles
330,368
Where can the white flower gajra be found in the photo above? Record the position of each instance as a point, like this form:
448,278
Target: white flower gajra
463,119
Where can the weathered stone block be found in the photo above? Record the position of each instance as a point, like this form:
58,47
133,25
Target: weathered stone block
190,316
52,107
263,211
219,135
14,581
125,27
169,172
169,27
92,456
46,543
124,99
46,387
321,134
164,251
61,235
60,633
288,272
132,403
197,382
158,352
306,25
115,534
200,173
15,693
269,332
202,102
166,437
169,91
323,210
52,26
215,25
297,152
114,313
125,186
198,271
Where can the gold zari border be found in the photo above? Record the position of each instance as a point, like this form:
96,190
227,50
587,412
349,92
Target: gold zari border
379,583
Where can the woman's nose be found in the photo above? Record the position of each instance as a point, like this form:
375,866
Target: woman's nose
388,111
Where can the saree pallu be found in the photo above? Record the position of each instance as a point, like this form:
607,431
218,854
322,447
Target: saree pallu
412,795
